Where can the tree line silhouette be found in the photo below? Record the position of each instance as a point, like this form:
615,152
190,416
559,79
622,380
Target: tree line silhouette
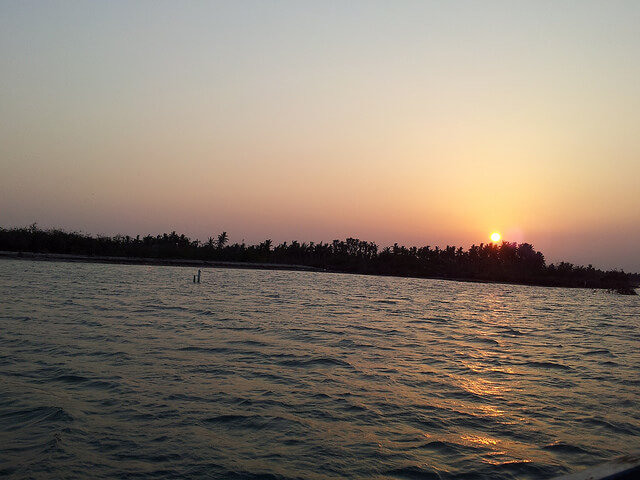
504,262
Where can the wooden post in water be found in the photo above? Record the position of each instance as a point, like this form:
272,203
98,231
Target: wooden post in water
198,276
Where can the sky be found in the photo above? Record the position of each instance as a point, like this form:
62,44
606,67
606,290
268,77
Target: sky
416,122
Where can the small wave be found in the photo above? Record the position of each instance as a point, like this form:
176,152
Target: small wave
243,475
609,363
18,419
385,301
430,320
70,379
205,349
178,308
211,470
561,447
209,370
443,447
551,365
383,331
320,361
227,419
414,473
155,459
518,469
90,323
512,332
349,343
488,341
5,472
183,397
144,310
252,422
602,351
120,355
247,341
320,395
84,381
615,427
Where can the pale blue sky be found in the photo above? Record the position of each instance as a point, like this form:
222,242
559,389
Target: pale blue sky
416,122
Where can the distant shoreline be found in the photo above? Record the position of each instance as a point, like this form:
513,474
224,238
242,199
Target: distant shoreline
168,262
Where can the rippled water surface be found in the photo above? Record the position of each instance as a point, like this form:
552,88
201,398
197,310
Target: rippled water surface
113,371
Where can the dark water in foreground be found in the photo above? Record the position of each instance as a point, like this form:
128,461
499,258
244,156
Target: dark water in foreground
135,372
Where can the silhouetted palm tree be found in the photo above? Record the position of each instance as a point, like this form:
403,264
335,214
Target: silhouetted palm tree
223,238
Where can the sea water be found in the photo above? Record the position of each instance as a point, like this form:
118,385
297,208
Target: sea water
116,371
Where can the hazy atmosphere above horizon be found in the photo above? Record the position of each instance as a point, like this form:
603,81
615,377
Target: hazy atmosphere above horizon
416,122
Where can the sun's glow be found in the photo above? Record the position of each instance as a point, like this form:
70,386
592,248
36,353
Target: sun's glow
495,237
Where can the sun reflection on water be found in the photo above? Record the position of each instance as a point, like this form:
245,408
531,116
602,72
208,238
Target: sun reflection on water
479,440
482,387
479,368
491,411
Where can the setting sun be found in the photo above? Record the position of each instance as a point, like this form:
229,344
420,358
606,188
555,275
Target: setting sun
495,237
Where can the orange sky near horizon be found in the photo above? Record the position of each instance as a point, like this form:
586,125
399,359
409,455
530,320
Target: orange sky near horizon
417,123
